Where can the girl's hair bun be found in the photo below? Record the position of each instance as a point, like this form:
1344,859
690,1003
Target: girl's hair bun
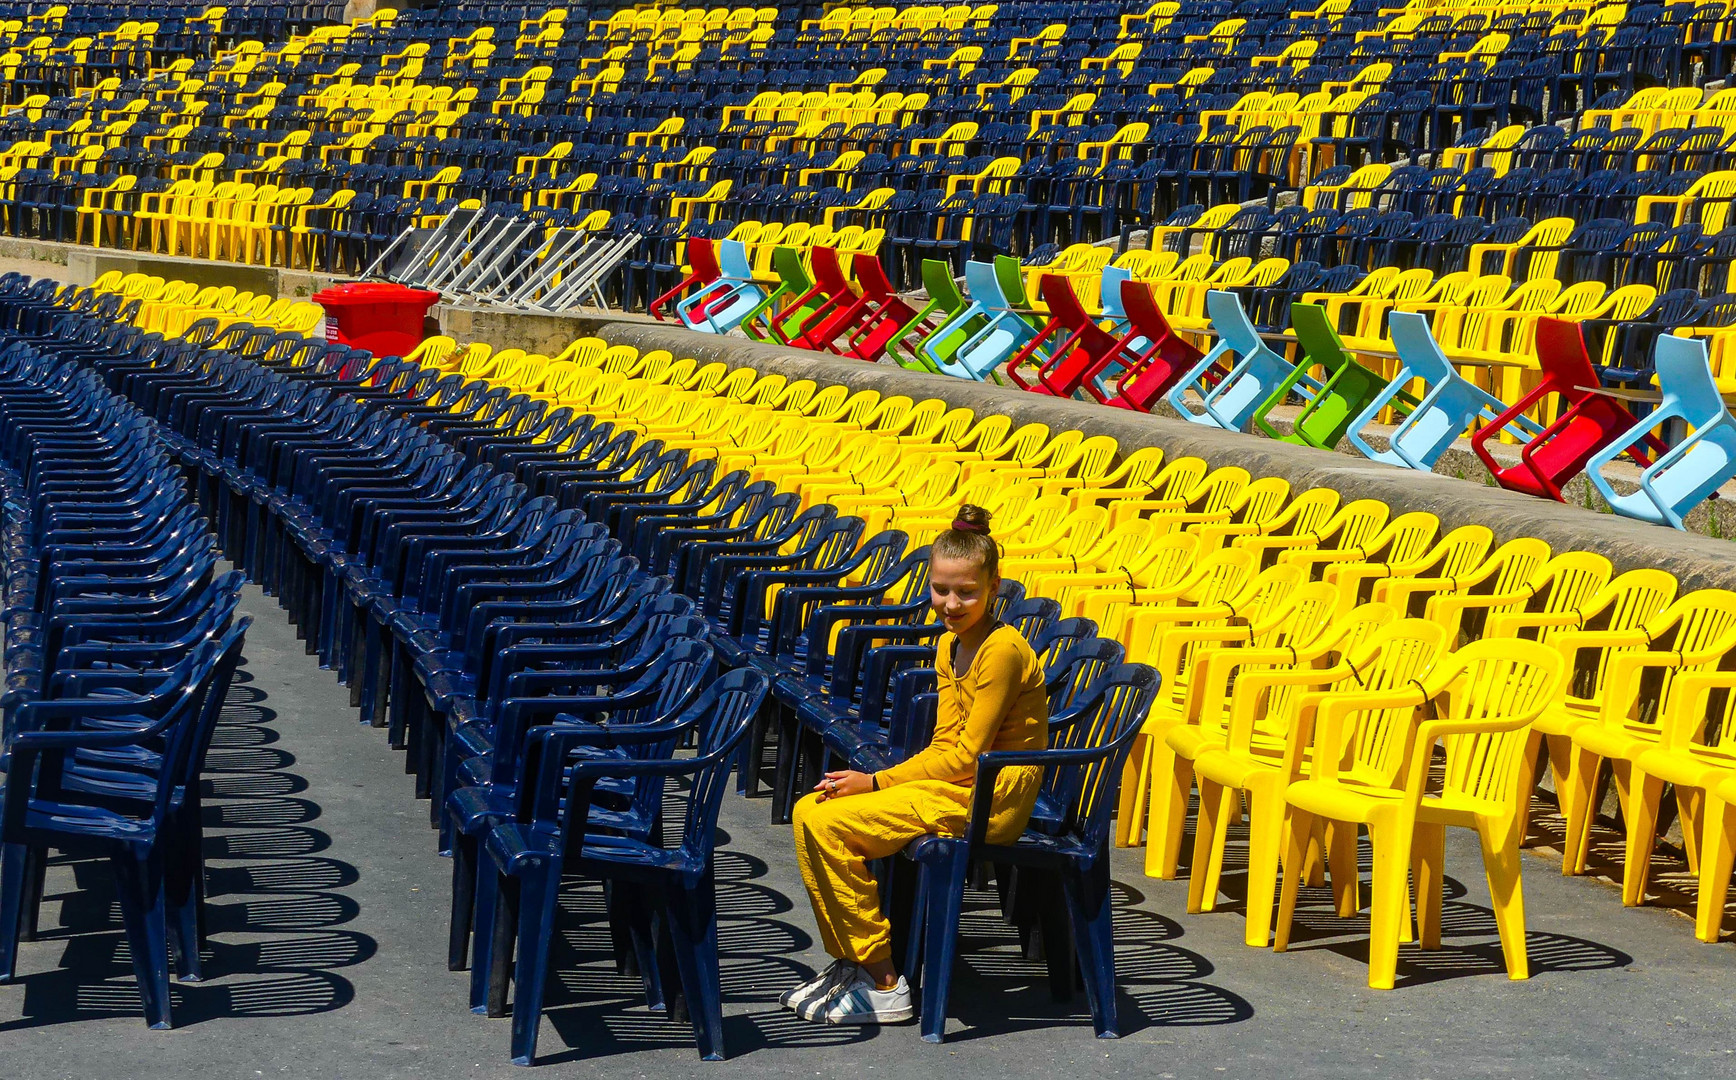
969,539
972,519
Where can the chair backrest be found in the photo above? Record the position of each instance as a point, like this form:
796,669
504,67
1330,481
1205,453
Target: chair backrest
1685,378
937,279
1231,323
871,275
1109,292
1419,353
828,274
1562,356
1317,337
984,287
733,260
723,714
1075,669
1111,714
702,257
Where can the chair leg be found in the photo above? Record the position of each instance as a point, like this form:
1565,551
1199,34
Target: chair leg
1645,793
140,881
1500,842
1265,843
630,913
1717,859
1171,781
1389,900
484,937
464,857
692,926
14,867
1582,782
1339,843
1217,807
34,881
1130,803
918,918
538,889
942,901
1428,867
1093,918
181,892
1690,809
1298,829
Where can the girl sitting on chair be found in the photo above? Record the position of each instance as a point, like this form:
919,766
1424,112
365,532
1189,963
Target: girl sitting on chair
992,697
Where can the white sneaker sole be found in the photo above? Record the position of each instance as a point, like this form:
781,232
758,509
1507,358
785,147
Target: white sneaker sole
892,1016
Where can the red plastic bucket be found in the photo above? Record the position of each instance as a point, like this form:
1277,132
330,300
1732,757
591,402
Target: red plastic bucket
378,316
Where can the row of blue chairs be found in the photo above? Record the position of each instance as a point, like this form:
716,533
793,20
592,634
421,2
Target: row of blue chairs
122,638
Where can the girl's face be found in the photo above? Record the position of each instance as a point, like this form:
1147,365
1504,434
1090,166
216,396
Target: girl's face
960,593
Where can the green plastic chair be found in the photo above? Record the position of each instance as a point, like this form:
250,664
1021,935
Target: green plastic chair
1345,391
953,332
944,300
1012,278
793,281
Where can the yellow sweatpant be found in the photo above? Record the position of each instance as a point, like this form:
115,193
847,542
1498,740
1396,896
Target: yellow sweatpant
836,839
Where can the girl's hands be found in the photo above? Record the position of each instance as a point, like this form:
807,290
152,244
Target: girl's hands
836,785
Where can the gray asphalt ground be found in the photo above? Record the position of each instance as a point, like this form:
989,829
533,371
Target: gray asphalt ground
329,914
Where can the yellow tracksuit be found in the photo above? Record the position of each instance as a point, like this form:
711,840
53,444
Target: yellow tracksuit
999,704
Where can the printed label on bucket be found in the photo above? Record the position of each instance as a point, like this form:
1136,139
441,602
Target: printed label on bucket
331,330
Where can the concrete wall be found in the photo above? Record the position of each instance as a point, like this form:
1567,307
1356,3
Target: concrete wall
72,264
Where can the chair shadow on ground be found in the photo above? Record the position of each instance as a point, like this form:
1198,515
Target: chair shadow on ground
1470,942
597,1012
277,937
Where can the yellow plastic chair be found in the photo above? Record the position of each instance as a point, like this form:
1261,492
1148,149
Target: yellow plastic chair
1695,635
1605,626
1242,702
1375,749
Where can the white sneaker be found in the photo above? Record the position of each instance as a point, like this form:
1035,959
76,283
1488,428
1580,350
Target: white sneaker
818,987
844,974
861,1002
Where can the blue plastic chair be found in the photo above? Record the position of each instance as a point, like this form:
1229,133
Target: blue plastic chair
640,699
1254,371
1001,335
1067,856
531,855
1450,404
1689,472
132,817
721,305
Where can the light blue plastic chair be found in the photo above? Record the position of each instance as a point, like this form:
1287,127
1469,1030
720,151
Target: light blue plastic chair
1450,403
720,306
1001,335
1252,378
1110,300
1682,477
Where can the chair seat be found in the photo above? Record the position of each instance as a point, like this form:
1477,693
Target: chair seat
88,821
513,844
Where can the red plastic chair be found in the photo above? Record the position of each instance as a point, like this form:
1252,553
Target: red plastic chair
1069,361
814,307
844,309
889,313
702,262
1588,421
1149,370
